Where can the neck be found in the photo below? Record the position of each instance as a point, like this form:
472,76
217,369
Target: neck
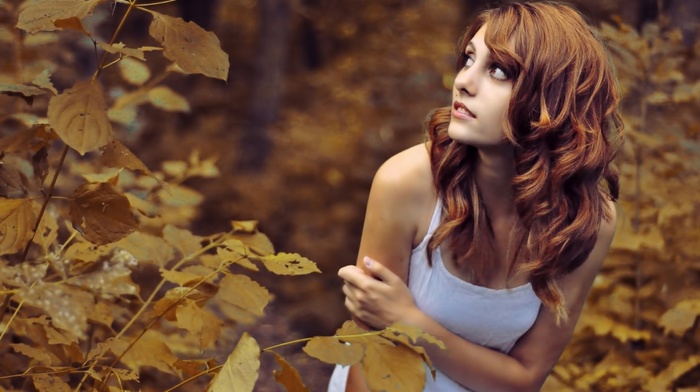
494,176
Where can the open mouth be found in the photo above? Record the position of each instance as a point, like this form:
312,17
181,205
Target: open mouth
462,109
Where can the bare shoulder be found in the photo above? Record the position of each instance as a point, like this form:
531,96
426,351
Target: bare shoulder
407,175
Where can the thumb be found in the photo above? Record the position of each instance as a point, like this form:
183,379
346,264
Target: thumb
378,270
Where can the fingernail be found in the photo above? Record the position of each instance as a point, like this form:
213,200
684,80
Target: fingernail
368,261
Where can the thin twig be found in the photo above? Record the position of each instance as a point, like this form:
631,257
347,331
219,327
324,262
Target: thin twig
196,376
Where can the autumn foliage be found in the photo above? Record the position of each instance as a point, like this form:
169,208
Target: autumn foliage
104,287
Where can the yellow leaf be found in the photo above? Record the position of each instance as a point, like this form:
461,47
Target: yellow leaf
16,223
27,91
256,242
415,333
393,368
116,154
147,248
330,350
134,71
288,376
122,49
240,371
79,117
228,256
289,264
101,213
67,306
179,196
32,139
49,383
109,279
39,15
43,80
663,381
200,322
165,98
113,345
39,354
194,49
180,278
242,291
183,240
681,317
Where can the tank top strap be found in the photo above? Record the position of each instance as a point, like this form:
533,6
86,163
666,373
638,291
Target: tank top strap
437,215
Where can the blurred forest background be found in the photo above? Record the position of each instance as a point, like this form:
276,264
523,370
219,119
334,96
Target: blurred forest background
321,92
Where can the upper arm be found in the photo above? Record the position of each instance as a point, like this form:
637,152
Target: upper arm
539,349
399,190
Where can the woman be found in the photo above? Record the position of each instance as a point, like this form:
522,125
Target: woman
489,235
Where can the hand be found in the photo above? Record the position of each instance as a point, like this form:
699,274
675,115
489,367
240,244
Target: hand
378,297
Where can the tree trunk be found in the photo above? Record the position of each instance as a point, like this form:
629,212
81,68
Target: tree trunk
267,86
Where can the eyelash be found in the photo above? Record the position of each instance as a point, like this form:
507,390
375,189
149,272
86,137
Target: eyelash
492,67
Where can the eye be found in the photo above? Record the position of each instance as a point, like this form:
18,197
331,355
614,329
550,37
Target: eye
498,73
469,60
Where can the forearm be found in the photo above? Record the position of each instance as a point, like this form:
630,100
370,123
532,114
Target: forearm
471,365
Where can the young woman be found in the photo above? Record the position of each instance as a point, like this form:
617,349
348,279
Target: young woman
489,235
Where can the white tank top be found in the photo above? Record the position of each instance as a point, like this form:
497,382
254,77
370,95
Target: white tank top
484,316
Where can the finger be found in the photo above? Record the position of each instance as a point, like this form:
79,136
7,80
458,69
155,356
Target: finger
351,273
380,271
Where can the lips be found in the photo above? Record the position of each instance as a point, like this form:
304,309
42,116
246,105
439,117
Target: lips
460,110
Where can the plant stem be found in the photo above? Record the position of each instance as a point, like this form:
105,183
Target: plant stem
132,4
46,201
196,376
7,326
289,343
156,3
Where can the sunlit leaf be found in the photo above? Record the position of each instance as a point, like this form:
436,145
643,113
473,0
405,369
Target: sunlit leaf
179,196
240,371
330,350
289,377
134,71
393,368
25,90
43,80
101,213
289,264
122,49
165,98
150,350
39,15
16,224
183,240
242,291
180,278
665,379
194,49
681,317
79,117
47,232
113,345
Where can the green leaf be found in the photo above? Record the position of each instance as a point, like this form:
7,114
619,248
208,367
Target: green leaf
240,371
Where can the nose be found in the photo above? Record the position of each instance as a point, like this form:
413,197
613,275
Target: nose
466,81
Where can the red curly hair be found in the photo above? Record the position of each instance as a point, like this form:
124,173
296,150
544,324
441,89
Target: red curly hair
563,122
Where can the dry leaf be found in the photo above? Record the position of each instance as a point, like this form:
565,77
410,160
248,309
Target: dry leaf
240,371
71,23
50,383
40,355
150,350
24,90
165,98
289,377
289,264
17,220
183,240
33,139
200,322
13,182
79,117
113,345
47,232
147,248
229,257
122,49
330,350
681,317
39,15
101,213
180,278
67,306
244,292
194,49
116,154
179,196
393,368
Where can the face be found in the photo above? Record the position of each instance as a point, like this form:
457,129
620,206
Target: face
480,97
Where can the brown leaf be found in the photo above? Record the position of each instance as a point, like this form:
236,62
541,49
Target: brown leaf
330,350
288,376
115,154
50,383
150,350
242,291
16,224
167,304
38,354
13,182
122,49
289,264
240,371
33,139
113,345
71,23
101,213
79,117
198,321
40,164
194,49
663,381
86,252
39,15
